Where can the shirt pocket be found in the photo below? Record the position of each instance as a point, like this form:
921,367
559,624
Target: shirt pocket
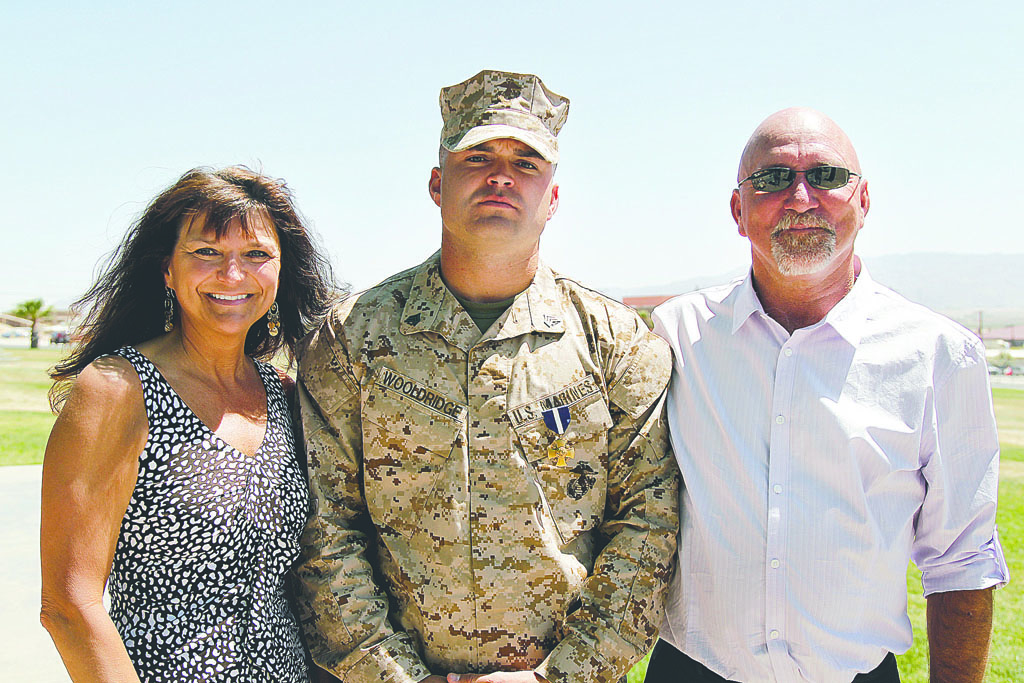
405,448
572,494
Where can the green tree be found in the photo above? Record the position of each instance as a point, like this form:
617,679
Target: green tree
32,310
1002,359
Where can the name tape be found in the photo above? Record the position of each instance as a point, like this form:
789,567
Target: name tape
419,393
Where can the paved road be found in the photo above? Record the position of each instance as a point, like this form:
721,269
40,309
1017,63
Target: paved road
1004,382
26,653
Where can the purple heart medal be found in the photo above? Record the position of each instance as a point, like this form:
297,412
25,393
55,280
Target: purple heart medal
557,420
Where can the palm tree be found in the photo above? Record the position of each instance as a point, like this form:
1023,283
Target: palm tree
32,310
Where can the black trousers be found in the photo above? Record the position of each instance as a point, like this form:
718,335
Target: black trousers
669,665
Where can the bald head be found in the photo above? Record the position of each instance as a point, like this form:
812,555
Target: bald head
797,128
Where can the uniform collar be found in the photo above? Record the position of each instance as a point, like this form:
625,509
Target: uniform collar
536,310
431,307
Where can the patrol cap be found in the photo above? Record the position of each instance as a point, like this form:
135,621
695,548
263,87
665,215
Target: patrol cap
499,104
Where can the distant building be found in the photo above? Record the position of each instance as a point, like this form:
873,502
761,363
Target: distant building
646,304
1012,335
57,320
9,320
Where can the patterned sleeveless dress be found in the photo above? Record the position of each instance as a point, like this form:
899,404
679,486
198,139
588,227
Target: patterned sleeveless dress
197,582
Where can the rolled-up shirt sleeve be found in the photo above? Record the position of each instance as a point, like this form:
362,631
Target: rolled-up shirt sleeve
956,544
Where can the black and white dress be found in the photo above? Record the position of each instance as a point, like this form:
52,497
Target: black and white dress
197,583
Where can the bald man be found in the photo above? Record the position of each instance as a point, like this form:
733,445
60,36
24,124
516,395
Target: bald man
828,432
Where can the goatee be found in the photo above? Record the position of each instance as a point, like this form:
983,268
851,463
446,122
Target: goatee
802,252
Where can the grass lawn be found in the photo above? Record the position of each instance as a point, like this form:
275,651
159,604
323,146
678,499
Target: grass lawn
23,436
25,422
1009,408
25,417
23,378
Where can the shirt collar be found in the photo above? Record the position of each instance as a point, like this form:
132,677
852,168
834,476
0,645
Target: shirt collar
847,317
747,303
431,307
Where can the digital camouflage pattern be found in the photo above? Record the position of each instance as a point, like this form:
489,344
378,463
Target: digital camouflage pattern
445,537
499,104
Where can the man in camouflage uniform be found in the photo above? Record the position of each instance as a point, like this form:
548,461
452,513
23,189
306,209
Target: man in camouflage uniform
494,492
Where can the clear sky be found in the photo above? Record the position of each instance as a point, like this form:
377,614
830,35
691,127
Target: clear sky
106,103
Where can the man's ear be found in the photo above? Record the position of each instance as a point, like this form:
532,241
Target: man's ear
734,207
434,186
865,199
553,204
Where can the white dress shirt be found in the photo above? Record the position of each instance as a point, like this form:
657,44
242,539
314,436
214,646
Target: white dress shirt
815,466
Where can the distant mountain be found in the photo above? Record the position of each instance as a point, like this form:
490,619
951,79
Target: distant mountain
954,281
677,287
958,285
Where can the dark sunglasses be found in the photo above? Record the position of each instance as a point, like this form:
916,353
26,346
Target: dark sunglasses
778,178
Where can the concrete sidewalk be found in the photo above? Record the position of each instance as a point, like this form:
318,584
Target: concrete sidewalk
27,653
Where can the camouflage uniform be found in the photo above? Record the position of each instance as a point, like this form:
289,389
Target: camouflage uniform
445,536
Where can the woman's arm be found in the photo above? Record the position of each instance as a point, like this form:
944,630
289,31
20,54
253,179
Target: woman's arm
89,473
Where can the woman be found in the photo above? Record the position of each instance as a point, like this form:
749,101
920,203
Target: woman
171,467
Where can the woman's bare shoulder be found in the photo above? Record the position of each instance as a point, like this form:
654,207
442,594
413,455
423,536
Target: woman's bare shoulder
102,428
108,380
107,397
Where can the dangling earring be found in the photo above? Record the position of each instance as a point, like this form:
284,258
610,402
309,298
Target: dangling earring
273,320
168,309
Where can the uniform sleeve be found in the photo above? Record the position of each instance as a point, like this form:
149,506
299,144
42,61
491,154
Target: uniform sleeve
956,545
344,613
621,602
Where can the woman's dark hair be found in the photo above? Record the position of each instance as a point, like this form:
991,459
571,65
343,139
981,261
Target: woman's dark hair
126,304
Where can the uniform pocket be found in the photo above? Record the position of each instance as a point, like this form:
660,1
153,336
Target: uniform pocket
408,434
573,483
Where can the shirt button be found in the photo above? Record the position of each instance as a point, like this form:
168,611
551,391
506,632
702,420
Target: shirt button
773,634
779,419
777,488
788,352
775,564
